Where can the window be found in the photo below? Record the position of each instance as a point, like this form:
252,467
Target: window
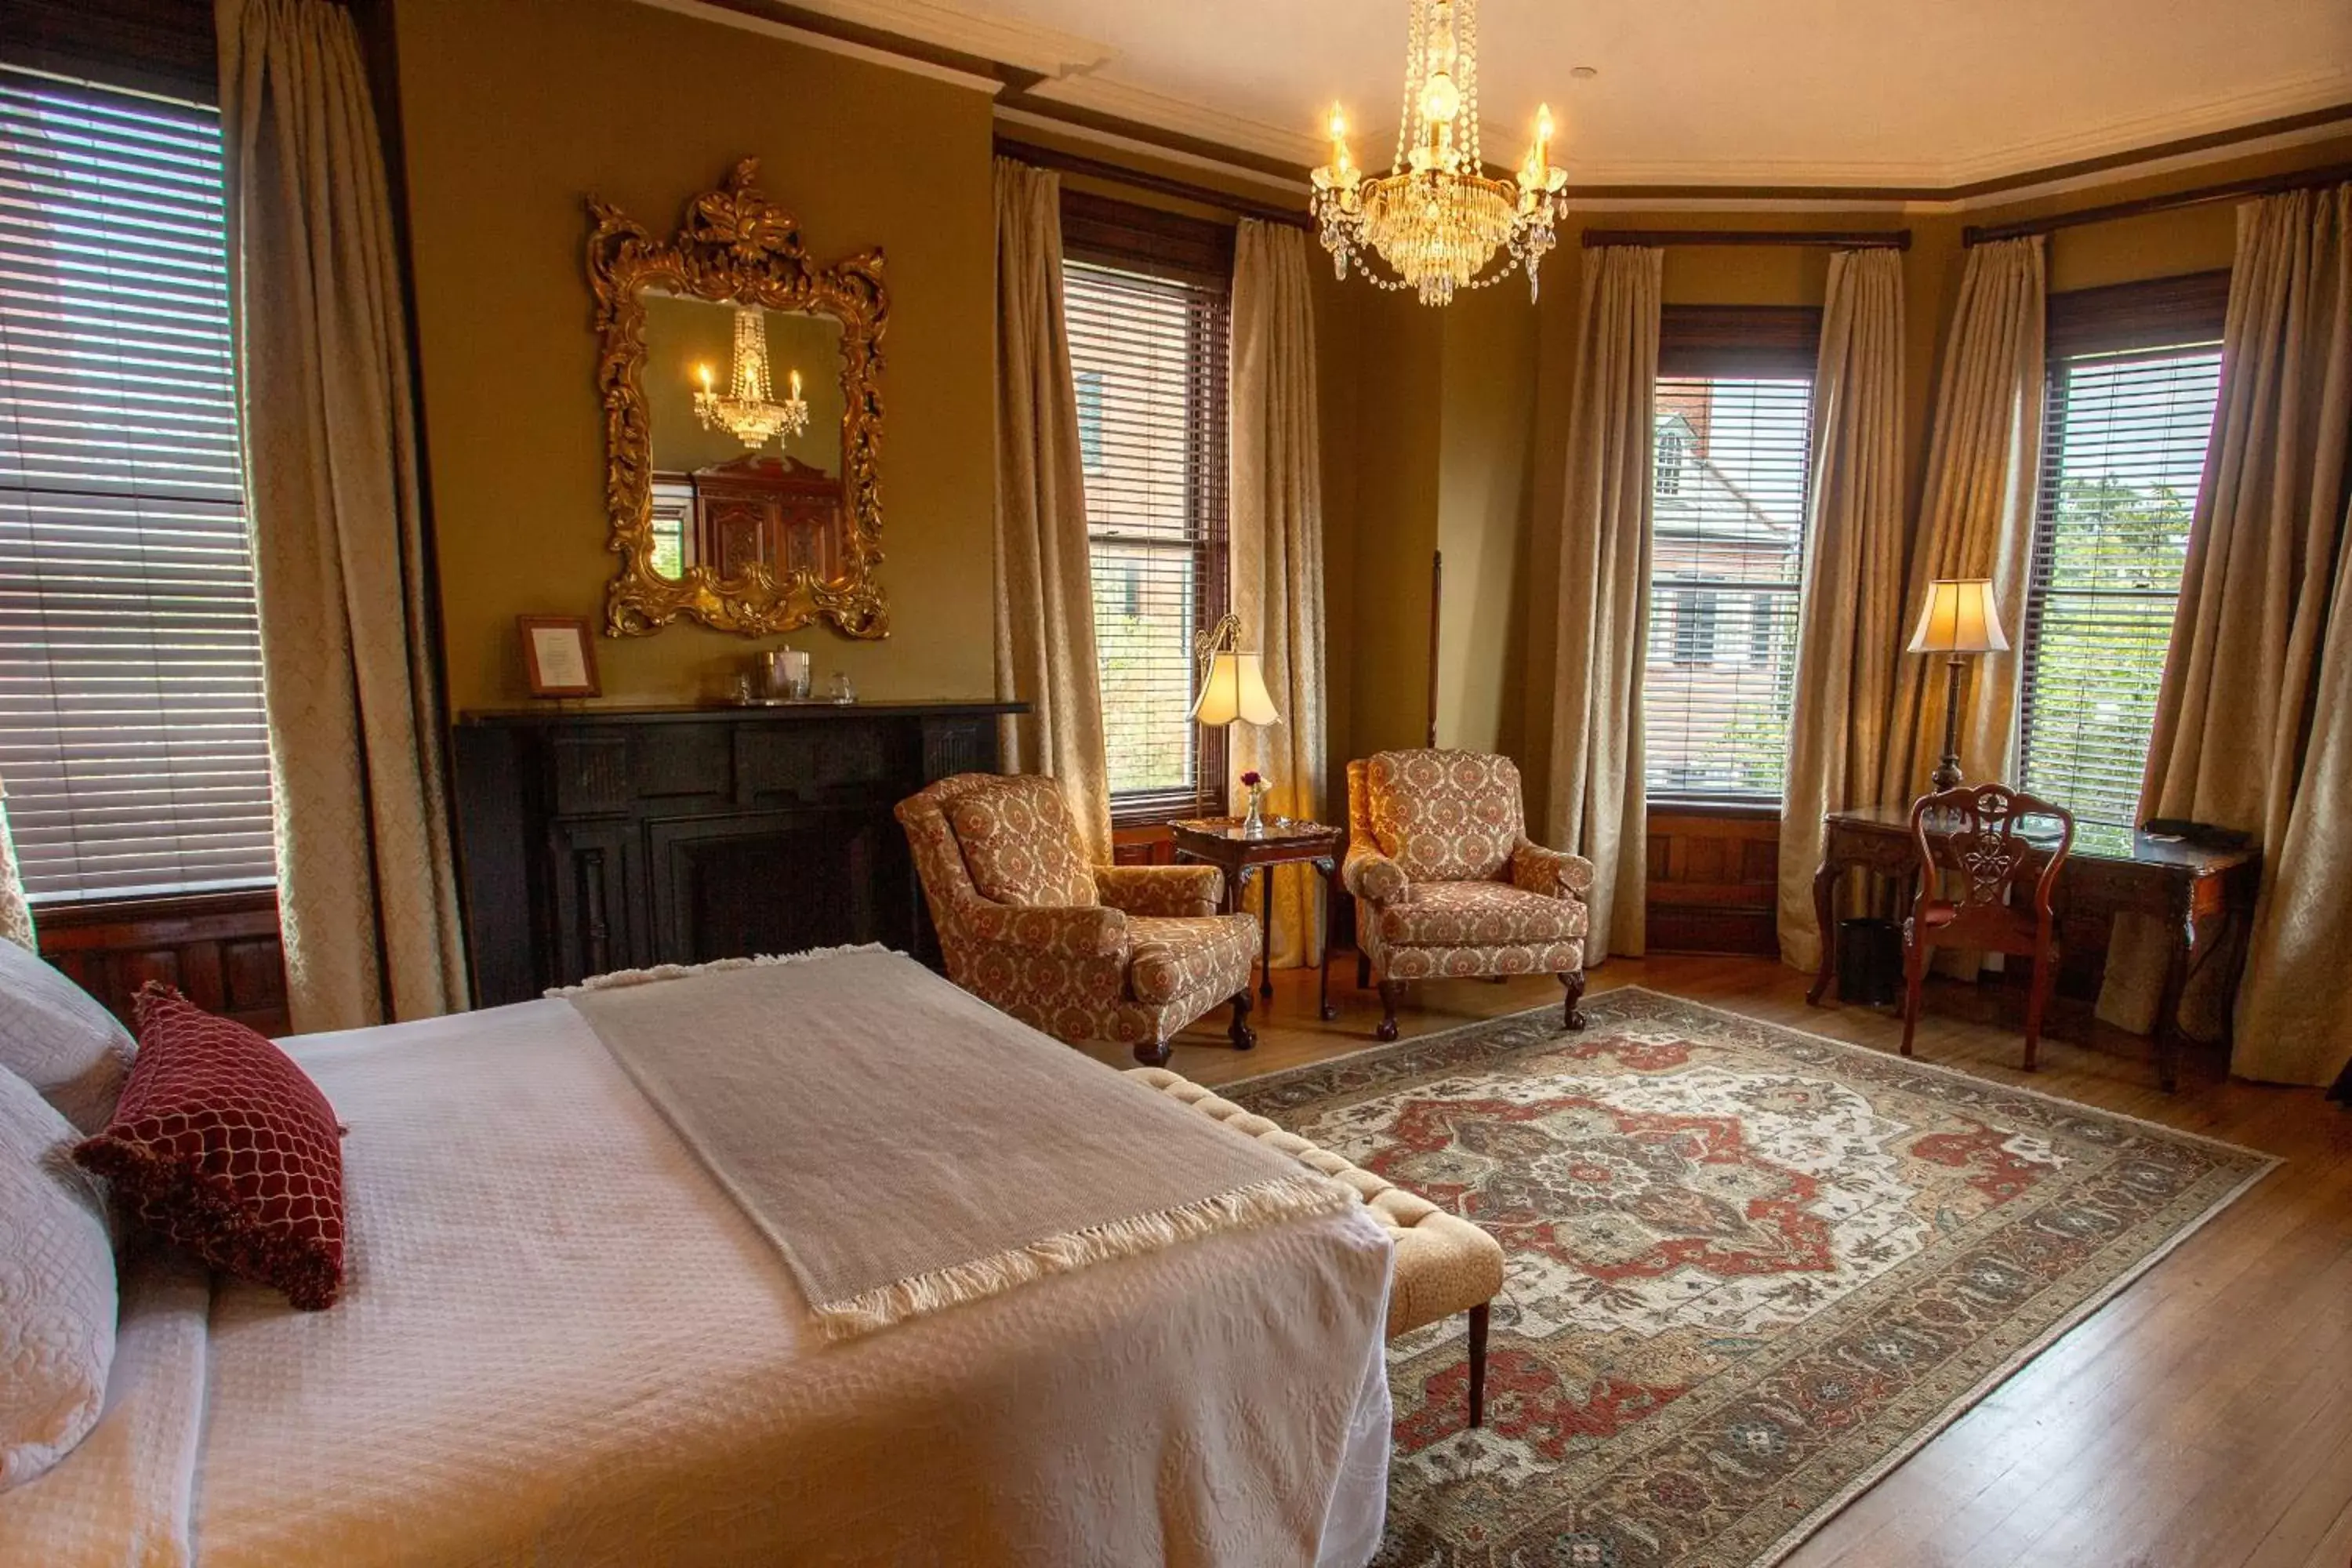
2133,375
131,735
1148,352
1733,421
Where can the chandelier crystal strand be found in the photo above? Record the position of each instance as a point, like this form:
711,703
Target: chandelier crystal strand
749,410
1435,218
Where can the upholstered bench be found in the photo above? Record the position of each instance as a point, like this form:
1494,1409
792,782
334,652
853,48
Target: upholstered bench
1445,1264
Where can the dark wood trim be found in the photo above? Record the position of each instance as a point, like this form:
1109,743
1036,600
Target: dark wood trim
1725,810
1740,340
1146,239
1840,239
221,949
2284,124
1153,135
2199,196
1436,611
1015,78
2189,308
1137,179
163,47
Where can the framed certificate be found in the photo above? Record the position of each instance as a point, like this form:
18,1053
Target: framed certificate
558,654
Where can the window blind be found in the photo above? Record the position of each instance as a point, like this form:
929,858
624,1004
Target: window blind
2123,450
1727,520
132,741
1149,357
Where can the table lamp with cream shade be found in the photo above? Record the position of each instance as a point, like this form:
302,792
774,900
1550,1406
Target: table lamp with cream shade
1958,619
1232,684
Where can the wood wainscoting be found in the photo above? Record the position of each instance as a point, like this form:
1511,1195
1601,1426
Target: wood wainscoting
222,950
1715,872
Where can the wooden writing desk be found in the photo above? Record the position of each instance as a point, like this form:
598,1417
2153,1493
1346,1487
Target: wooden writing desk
2110,872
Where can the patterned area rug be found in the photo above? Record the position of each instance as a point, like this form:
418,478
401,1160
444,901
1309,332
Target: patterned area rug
1749,1269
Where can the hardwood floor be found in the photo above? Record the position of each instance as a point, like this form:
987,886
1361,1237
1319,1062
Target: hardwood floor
2202,1419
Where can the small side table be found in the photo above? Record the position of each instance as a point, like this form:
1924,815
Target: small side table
1219,841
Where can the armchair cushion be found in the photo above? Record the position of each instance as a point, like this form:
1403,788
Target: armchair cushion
1172,957
1479,914
1445,817
1020,845
1554,873
1176,890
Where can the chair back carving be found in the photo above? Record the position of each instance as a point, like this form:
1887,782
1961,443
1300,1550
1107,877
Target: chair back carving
1976,828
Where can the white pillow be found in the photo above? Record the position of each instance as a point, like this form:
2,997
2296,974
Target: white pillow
57,1288
56,1036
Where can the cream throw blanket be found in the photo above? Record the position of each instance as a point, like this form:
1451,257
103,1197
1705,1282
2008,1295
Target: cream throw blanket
908,1147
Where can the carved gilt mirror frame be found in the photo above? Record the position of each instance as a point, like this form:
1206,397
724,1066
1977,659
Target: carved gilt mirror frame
734,245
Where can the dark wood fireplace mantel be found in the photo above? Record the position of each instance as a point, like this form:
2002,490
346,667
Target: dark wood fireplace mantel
599,838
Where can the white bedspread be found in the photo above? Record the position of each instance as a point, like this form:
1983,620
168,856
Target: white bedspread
561,1343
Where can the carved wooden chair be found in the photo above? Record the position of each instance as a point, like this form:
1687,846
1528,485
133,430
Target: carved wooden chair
1130,954
1969,836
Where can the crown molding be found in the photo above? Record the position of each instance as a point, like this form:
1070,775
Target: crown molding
1293,182
1115,100
812,30
1051,81
1051,54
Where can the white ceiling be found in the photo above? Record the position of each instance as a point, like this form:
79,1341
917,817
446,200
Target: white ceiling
1861,92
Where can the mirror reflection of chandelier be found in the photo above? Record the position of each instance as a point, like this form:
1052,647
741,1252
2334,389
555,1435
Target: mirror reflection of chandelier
747,409
1435,218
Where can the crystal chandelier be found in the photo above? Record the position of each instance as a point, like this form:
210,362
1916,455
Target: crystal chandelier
1435,218
747,409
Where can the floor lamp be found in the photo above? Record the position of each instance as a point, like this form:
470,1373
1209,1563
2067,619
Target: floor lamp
1958,620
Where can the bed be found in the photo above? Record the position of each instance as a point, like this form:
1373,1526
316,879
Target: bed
561,1342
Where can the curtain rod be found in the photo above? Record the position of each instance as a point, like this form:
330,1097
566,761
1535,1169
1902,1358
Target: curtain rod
1852,239
1138,179
2261,185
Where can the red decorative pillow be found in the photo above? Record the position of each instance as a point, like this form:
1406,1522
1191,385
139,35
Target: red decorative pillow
221,1144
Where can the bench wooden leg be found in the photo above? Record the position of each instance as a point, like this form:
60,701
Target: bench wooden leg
1478,1364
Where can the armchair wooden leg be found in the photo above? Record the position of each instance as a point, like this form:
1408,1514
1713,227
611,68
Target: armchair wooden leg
1390,992
1478,1364
1153,1053
1241,1034
1363,971
1573,1015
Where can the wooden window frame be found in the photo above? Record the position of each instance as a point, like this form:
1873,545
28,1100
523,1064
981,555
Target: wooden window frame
1735,342
1195,251
2182,312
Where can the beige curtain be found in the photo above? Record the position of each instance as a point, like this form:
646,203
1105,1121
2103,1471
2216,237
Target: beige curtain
16,914
1277,546
1598,804
366,889
1045,596
1976,515
2253,726
1849,631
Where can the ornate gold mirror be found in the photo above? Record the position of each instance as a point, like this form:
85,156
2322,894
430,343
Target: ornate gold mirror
742,420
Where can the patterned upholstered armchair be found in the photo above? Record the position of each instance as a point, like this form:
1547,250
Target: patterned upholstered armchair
1447,882
1130,954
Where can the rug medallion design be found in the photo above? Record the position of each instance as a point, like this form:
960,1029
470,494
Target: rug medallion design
1748,1269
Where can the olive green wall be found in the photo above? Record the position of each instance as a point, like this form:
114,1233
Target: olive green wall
512,116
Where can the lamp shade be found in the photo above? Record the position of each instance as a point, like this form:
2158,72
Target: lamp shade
1959,617
1235,689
